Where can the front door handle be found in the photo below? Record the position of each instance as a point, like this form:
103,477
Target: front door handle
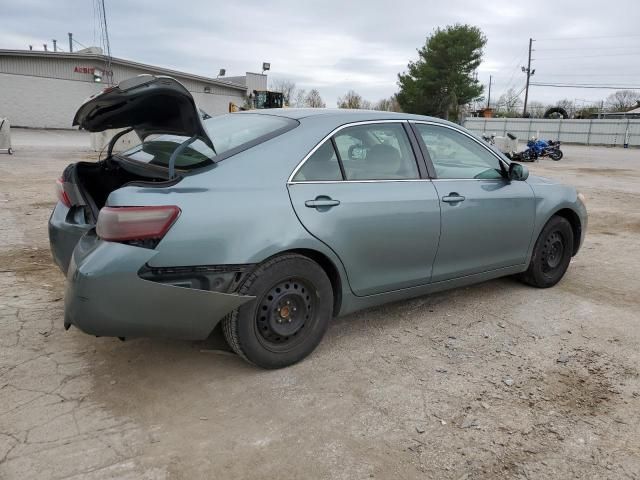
322,203
453,197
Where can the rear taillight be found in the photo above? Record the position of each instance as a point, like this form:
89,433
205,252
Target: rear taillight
61,194
119,224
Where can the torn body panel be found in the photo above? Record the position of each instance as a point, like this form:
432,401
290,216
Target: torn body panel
66,227
105,296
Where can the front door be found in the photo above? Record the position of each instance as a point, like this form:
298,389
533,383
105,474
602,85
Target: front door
487,220
360,192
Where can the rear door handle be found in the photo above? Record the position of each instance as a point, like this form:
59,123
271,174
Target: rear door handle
322,202
453,197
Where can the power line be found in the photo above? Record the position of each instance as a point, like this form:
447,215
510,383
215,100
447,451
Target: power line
510,99
82,45
582,85
588,74
591,56
582,48
587,38
510,82
104,37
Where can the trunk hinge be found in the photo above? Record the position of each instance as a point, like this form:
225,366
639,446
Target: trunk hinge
115,139
181,148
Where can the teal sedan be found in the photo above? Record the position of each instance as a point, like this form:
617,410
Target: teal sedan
273,222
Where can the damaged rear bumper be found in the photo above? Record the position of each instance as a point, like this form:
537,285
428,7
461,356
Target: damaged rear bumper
105,296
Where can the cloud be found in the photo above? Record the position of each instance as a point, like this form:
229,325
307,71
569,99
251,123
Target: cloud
340,45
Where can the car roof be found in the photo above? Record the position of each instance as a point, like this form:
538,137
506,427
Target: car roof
341,114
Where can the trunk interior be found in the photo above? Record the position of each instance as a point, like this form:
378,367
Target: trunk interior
97,180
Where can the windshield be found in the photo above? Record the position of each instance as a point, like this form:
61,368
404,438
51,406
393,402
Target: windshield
229,134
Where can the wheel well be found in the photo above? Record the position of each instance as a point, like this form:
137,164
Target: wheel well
330,269
576,226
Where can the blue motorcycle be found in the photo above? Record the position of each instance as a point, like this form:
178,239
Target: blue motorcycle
542,148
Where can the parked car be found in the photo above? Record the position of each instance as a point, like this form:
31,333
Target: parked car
275,221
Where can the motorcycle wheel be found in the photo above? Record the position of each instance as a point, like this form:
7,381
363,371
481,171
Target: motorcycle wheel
557,155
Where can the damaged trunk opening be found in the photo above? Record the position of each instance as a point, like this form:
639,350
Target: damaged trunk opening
93,182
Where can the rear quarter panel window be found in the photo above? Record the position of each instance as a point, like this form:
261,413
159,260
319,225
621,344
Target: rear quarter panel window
321,165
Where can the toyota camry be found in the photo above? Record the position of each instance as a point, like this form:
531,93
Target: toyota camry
273,222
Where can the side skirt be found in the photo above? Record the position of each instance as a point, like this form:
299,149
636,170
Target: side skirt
352,303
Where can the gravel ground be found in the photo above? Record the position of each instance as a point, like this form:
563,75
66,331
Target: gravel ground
497,380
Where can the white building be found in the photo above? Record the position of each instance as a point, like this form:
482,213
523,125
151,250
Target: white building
42,89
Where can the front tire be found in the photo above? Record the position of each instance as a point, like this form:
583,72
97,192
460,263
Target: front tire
551,254
288,318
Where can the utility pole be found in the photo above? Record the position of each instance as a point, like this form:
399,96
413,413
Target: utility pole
70,42
489,95
529,72
108,72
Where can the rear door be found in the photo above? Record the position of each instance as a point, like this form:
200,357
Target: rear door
487,220
363,193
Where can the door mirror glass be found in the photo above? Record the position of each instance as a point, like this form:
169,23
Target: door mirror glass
518,171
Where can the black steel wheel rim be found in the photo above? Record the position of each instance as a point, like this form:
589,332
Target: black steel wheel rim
286,314
552,252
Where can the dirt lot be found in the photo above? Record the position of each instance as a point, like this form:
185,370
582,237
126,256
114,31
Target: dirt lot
493,381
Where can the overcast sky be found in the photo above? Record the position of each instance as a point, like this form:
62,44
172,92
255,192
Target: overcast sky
337,45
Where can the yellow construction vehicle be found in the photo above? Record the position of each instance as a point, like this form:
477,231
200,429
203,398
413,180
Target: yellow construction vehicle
260,99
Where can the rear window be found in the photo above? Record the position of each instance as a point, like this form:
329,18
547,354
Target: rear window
230,134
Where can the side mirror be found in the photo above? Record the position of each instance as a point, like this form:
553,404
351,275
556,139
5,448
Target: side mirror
518,172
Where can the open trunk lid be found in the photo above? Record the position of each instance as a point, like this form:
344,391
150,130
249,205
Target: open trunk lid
147,103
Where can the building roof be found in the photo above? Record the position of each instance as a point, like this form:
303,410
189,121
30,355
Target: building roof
120,61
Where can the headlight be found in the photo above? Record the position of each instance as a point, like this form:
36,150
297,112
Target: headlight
582,198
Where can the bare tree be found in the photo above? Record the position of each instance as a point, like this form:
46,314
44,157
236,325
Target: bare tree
536,109
286,87
567,105
388,105
314,100
509,103
354,100
622,100
300,98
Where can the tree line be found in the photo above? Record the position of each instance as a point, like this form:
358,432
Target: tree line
300,98
442,82
510,105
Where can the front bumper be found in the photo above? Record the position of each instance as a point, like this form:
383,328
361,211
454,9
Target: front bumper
105,296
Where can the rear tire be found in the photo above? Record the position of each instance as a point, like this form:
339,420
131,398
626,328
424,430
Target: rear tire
288,318
557,155
551,254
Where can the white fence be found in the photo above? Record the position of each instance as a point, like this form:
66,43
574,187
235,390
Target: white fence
586,132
